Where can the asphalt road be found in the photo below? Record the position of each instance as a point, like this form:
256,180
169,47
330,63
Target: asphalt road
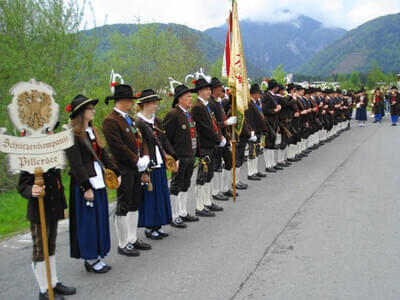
325,228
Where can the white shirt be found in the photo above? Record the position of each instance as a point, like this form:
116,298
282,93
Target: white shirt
184,110
124,114
203,101
97,182
158,152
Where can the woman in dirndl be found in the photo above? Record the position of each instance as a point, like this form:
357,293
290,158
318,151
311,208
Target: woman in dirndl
155,210
89,217
361,107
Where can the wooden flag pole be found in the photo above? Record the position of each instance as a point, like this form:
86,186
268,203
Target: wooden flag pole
233,91
40,182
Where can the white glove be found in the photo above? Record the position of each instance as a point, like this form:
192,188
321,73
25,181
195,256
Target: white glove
142,163
253,139
231,121
223,142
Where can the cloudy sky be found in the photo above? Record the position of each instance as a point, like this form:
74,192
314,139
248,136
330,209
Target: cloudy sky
203,14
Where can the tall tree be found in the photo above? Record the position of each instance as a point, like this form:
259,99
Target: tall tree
279,74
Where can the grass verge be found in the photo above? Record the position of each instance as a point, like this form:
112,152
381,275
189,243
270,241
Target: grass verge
13,210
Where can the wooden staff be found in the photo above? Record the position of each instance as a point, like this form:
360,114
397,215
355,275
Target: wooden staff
233,145
40,182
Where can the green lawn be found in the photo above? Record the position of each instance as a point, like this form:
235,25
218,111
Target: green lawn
13,210
12,214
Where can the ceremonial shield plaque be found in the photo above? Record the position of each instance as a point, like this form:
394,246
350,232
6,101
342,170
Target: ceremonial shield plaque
34,112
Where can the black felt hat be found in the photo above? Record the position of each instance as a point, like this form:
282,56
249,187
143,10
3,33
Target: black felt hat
147,95
255,88
121,91
290,87
272,84
179,91
394,87
79,103
201,83
308,91
215,83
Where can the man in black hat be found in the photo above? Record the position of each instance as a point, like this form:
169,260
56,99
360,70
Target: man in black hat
321,114
181,133
271,110
304,120
132,158
209,137
394,100
293,123
311,142
54,206
283,124
256,121
221,176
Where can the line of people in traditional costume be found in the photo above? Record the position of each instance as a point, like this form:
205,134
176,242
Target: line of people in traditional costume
378,102
281,125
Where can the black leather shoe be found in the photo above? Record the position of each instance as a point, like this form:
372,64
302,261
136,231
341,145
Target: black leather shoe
278,168
270,170
214,207
281,164
204,213
242,185
261,175
128,250
140,245
221,197
178,223
64,290
287,164
104,269
189,218
153,234
253,177
162,233
229,193
45,296
294,159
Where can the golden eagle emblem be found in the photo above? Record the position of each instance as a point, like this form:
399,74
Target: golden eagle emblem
34,108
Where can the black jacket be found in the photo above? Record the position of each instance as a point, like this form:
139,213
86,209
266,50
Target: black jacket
54,199
268,107
177,130
220,116
81,163
255,119
155,136
207,136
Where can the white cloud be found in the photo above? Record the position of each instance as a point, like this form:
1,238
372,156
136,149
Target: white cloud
367,10
210,13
